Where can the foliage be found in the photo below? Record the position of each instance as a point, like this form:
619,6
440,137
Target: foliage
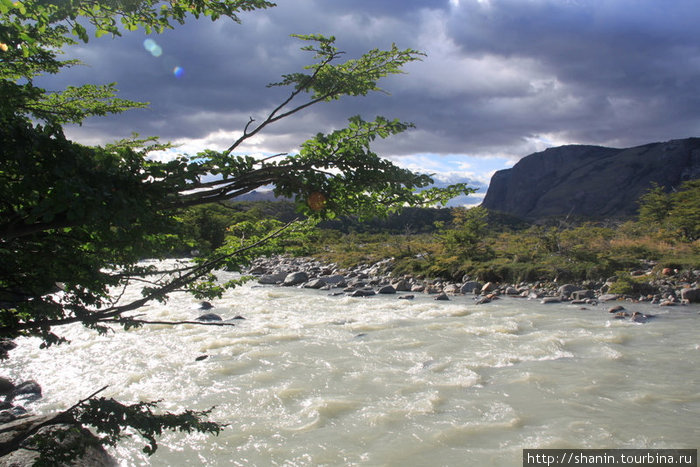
475,246
626,284
76,219
676,212
61,439
684,217
654,205
111,418
115,206
467,235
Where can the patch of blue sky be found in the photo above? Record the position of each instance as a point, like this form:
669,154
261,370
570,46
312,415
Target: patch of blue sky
448,169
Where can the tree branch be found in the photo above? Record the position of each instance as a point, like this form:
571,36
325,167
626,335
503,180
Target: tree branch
163,291
272,117
15,442
169,323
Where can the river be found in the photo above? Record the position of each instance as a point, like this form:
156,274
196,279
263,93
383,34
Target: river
313,379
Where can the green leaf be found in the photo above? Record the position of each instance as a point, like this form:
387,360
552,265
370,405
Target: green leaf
5,6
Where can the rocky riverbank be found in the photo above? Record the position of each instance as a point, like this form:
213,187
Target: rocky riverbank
670,289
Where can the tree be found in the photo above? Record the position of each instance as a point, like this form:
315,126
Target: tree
684,217
77,219
677,212
654,205
467,236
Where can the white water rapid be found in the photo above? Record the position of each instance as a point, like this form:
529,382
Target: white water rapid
311,379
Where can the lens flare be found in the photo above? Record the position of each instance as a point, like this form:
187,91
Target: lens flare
152,46
317,201
178,72
149,44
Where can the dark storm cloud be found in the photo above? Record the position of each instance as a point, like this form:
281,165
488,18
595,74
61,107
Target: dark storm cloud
501,78
226,69
628,69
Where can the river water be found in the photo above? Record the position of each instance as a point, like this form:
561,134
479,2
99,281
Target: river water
313,379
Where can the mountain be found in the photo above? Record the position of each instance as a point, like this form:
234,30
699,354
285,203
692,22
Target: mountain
263,195
590,181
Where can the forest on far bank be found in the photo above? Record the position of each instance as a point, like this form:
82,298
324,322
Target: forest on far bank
451,243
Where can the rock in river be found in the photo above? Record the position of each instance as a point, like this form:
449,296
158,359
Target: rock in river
295,278
209,317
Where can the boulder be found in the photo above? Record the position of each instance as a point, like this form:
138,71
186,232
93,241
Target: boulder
357,283
547,300
315,284
6,386
28,391
582,294
363,293
386,290
566,290
616,309
6,416
512,291
257,270
638,317
442,296
488,287
205,306
272,279
334,279
418,288
608,297
6,345
692,295
406,297
451,289
470,286
295,278
401,285
208,317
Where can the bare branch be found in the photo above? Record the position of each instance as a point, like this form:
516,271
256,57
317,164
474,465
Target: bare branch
273,117
245,130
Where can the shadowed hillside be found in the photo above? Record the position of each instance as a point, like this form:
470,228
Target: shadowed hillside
591,181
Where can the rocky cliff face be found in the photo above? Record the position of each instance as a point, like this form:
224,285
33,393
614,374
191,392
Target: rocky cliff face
590,181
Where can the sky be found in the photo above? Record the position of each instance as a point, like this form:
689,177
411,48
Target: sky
501,79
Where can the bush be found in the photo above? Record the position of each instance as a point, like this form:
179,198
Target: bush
628,285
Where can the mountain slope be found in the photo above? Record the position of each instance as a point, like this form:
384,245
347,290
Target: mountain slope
590,181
